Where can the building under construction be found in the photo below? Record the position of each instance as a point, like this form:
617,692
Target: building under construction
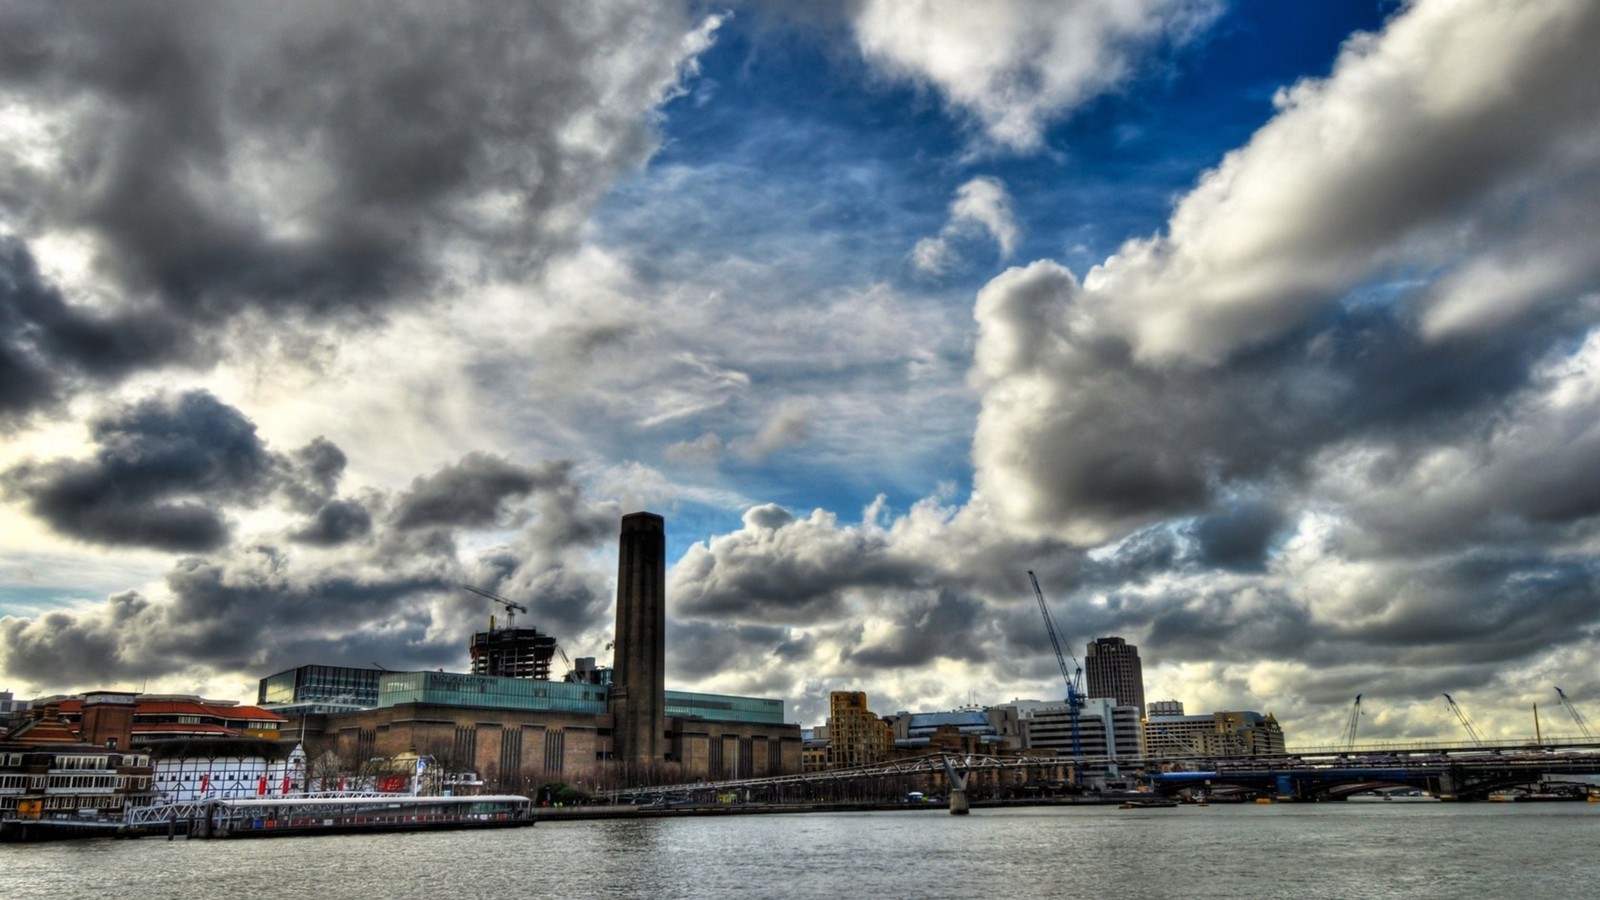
513,653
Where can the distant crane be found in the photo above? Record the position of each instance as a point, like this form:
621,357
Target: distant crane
1583,724
1073,678
1472,730
511,608
1189,743
1350,727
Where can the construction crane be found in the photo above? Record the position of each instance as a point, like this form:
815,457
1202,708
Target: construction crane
1350,727
511,608
1583,724
1472,730
1193,746
1073,678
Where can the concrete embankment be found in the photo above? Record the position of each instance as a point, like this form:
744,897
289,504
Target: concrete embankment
29,831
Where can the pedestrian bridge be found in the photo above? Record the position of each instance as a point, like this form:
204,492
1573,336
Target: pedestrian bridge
1451,771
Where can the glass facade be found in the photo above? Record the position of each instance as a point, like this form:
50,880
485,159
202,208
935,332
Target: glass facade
452,689
723,708
341,685
492,692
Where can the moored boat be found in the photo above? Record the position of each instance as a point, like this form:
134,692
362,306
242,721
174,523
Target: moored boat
348,813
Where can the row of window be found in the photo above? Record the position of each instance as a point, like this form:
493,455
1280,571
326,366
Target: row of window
189,719
85,782
72,782
83,762
110,801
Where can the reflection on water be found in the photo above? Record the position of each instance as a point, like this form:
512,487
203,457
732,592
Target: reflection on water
1328,850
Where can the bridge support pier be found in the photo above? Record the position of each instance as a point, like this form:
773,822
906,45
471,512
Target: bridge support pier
957,784
959,806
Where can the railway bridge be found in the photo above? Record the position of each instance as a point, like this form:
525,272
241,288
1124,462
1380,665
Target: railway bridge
1464,774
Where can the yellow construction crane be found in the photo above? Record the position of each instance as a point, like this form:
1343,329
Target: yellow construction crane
511,608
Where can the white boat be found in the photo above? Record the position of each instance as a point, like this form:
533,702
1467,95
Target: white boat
340,813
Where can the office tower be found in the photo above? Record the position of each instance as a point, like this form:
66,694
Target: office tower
1112,665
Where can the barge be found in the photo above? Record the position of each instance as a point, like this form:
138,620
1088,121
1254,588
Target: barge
348,814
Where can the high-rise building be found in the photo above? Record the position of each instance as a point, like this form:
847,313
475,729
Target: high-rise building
1112,665
638,685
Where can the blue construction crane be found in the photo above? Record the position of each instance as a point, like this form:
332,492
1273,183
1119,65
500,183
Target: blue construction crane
1073,678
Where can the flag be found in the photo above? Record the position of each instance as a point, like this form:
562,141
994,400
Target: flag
205,782
285,790
261,787
341,782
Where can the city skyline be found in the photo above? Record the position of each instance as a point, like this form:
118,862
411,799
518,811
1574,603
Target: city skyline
1264,333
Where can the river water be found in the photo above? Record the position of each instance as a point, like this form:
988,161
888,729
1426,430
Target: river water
1333,850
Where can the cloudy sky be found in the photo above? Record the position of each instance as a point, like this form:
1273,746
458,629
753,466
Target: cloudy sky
1267,334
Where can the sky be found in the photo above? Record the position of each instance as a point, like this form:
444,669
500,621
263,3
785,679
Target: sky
1266,334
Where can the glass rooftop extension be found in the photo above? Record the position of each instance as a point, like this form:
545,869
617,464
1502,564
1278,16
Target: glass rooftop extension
454,689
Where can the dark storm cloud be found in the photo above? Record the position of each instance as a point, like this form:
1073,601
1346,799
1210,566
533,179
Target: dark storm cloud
315,472
249,615
161,472
1141,555
1232,622
48,347
310,161
546,567
700,649
166,470
1129,445
778,569
1502,606
947,626
1238,536
339,522
561,600
472,492
369,591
